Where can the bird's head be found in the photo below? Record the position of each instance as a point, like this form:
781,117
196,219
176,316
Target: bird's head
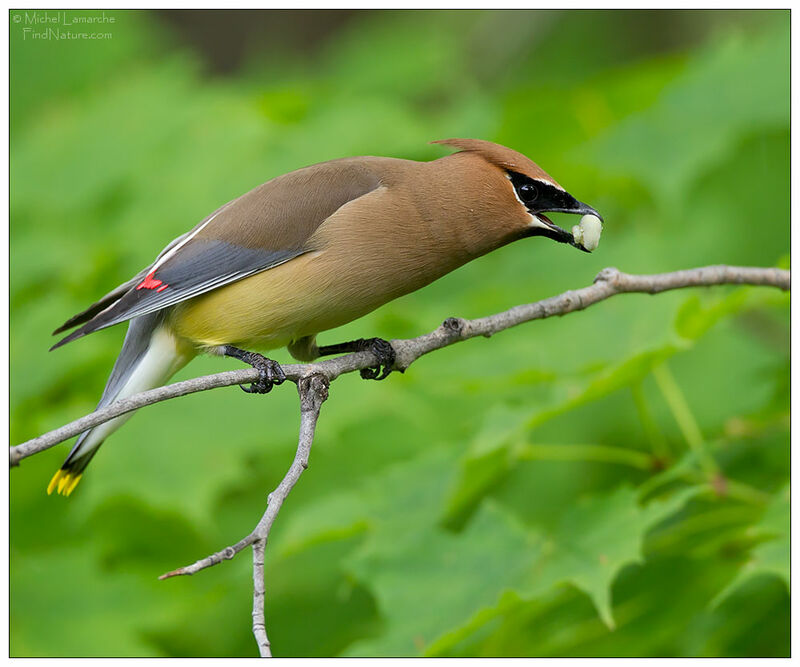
533,189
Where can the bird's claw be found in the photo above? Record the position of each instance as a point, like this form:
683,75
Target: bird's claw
270,374
384,351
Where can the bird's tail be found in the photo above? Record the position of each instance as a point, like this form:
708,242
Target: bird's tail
150,356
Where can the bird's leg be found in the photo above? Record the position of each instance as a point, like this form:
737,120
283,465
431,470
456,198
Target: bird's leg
381,348
270,372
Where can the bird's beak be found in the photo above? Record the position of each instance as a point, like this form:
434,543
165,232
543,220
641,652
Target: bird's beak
551,230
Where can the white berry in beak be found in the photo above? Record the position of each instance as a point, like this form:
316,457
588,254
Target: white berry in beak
587,232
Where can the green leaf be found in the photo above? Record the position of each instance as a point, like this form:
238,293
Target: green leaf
697,315
700,312
487,460
463,576
607,381
772,555
599,536
336,516
435,582
497,446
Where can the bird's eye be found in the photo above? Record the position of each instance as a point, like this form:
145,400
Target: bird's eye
528,192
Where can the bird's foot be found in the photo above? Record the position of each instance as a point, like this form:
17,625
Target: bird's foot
382,349
270,372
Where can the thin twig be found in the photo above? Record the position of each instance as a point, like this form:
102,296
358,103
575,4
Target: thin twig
607,283
313,392
259,622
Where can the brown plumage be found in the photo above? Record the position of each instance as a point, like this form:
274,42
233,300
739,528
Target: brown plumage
312,250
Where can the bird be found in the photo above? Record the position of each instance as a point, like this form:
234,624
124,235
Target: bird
309,251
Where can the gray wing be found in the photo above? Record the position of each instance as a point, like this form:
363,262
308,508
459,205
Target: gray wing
115,294
260,230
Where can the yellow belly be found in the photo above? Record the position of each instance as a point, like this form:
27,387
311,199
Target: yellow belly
271,309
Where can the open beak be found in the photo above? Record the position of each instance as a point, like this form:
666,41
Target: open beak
553,231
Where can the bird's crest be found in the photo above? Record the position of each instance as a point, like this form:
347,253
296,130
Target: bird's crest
500,156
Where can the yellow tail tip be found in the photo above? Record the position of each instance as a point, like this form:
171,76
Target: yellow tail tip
53,482
64,482
72,484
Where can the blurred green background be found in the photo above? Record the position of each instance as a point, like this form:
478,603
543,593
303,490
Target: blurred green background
612,483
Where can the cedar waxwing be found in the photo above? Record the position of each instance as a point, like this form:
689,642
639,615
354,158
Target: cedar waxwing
309,251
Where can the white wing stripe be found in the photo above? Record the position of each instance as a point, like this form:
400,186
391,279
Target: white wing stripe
188,238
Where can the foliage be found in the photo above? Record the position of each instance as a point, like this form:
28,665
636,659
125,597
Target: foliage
611,483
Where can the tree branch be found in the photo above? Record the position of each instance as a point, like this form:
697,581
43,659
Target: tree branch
608,283
313,382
